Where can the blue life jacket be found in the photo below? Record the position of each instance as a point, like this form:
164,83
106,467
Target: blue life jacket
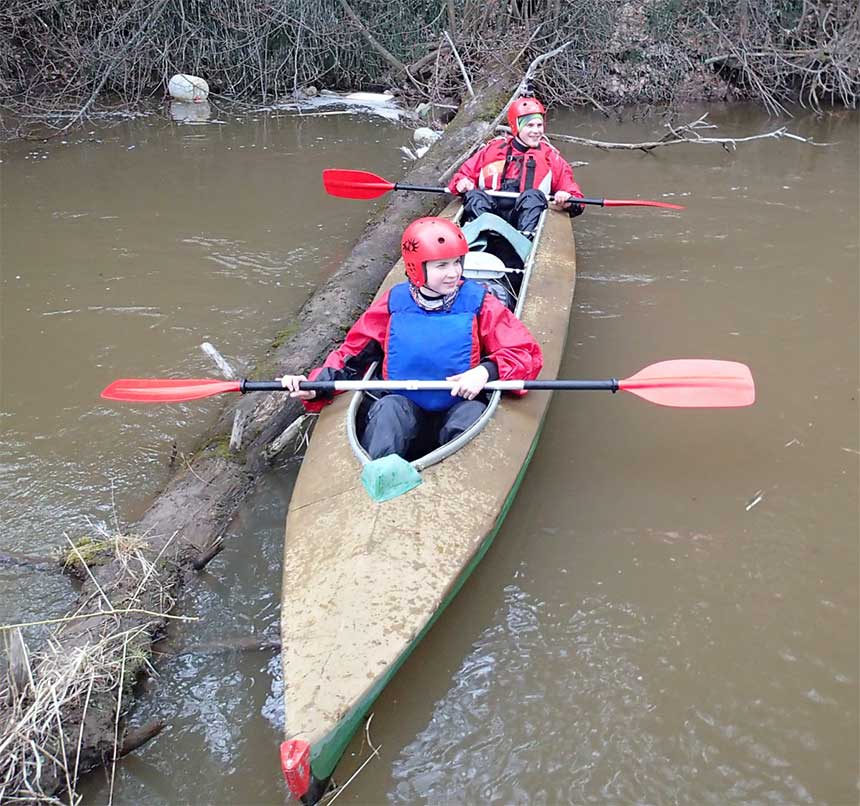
431,345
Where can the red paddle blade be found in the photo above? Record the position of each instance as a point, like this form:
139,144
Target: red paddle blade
349,184
694,383
166,390
640,203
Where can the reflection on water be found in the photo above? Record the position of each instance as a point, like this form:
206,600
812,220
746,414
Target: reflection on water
189,112
670,612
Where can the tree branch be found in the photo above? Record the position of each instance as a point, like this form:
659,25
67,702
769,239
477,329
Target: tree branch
375,44
683,134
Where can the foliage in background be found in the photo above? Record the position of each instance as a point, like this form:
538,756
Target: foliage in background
69,55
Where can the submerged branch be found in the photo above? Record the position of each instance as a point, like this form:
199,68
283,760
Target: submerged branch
137,737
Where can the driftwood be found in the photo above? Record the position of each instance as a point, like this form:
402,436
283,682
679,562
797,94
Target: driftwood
123,605
687,133
678,135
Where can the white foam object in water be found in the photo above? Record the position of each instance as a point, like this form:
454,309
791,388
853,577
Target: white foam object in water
425,136
188,88
370,97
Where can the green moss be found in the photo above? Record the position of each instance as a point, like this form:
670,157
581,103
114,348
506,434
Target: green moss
265,368
220,446
89,551
285,335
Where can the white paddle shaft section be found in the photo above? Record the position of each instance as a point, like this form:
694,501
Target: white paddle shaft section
416,386
610,385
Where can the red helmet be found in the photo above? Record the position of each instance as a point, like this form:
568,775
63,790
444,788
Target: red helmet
523,106
430,239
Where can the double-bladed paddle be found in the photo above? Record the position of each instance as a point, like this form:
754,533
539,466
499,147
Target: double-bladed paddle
683,383
349,184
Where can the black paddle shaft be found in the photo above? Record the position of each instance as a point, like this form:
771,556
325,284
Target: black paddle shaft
428,189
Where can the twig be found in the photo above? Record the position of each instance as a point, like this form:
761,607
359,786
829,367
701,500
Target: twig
525,47
460,63
116,721
374,754
153,15
98,614
375,44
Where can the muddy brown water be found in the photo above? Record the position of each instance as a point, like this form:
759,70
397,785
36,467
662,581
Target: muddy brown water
670,611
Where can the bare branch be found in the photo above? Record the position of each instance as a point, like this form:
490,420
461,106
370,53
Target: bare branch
460,63
688,133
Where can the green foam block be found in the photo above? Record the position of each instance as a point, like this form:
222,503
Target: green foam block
388,477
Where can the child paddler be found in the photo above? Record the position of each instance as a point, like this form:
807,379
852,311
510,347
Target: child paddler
522,162
435,325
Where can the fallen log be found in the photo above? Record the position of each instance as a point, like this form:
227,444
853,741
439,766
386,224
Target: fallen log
95,657
30,561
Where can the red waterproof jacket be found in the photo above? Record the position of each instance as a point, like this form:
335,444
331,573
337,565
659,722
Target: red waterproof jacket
550,172
507,348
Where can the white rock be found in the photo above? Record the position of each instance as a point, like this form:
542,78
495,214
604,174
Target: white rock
188,88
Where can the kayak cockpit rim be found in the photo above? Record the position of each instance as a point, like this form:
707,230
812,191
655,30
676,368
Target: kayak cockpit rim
449,448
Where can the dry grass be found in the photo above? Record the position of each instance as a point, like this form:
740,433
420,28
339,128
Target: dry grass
62,706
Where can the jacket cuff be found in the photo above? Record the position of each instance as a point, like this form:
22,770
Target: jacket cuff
325,374
492,369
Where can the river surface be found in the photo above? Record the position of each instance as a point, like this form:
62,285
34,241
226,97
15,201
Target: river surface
670,611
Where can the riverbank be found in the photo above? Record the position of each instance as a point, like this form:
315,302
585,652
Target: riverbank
57,68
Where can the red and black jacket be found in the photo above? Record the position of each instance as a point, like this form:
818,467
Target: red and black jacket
507,161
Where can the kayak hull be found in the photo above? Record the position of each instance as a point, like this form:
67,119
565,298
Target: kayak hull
364,582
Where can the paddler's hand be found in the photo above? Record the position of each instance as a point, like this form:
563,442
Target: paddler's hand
566,202
464,185
469,384
560,199
292,382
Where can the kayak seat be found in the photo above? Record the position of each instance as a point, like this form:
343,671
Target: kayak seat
490,271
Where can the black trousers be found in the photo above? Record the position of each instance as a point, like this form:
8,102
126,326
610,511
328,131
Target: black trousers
396,424
522,213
